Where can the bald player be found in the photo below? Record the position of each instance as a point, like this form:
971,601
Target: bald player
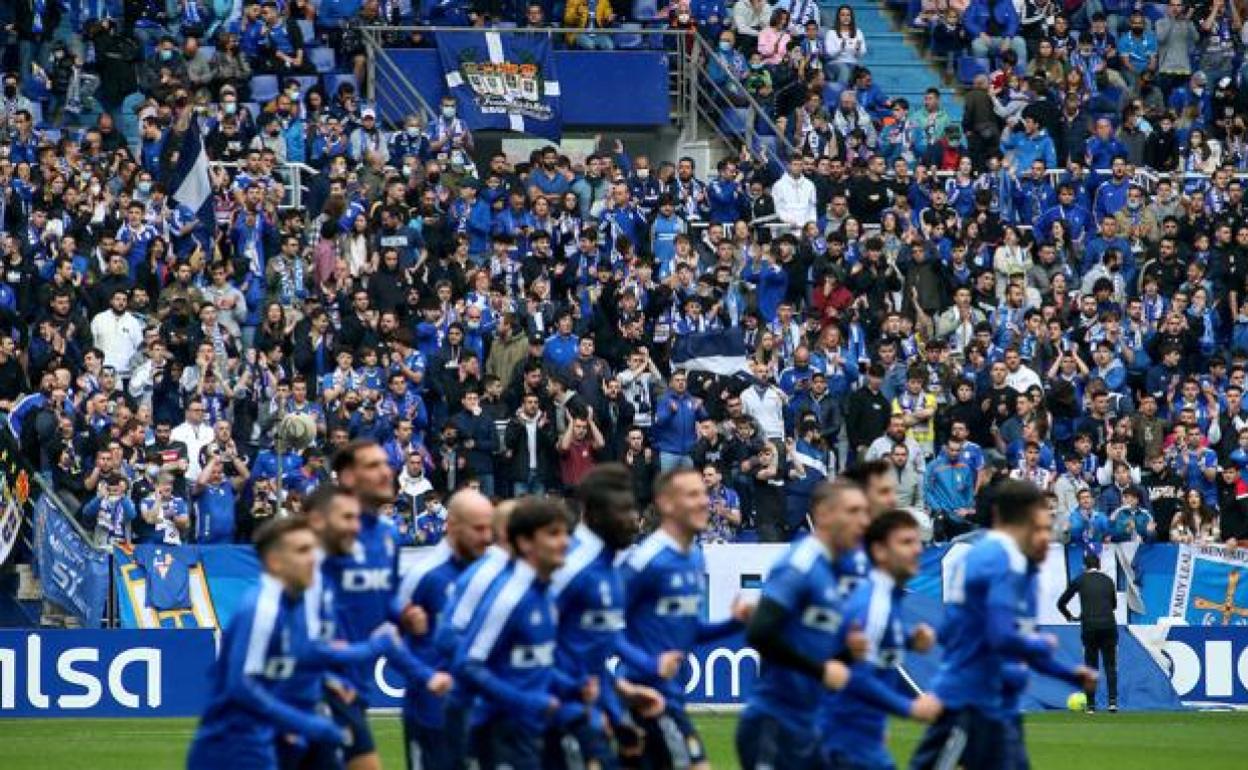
469,532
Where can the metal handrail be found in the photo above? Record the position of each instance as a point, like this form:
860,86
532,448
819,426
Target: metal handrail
757,112
295,173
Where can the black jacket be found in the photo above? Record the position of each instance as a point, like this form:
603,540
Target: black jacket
1098,597
866,416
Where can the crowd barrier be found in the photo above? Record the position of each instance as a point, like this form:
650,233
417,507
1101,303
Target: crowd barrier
1183,639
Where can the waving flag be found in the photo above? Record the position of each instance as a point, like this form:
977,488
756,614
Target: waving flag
505,82
721,351
190,183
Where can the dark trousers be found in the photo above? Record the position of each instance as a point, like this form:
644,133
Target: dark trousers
1102,643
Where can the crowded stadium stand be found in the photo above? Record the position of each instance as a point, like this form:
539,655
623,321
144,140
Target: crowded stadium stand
509,242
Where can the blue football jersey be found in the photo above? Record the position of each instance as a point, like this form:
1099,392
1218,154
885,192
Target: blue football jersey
260,650
664,590
508,650
428,585
851,725
363,586
803,582
168,575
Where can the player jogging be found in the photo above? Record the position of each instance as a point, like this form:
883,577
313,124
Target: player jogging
987,628
664,591
469,532
589,595
261,648
508,652
854,728
363,583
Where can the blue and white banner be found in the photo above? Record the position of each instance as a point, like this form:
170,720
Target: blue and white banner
104,673
721,351
73,573
503,81
1210,586
1207,665
209,580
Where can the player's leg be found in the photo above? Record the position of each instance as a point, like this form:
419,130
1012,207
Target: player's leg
425,748
762,742
965,739
351,713
672,743
1016,747
458,732
1091,655
1109,656
506,745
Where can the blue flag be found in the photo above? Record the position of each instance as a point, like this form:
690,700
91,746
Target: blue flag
721,351
190,183
168,572
74,574
503,82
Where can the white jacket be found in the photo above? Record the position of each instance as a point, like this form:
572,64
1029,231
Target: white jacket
120,337
795,200
767,409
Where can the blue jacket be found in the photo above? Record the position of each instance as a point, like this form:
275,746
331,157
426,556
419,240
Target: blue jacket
772,284
1028,149
1100,153
949,485
1111,196
675,429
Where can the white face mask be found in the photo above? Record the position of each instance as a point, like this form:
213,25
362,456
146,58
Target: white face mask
643,173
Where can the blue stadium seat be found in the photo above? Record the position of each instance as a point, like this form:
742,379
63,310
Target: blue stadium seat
309,33
632,39
36,113
505,25
969,67
334,80
322,59
253,108
209,51
263,88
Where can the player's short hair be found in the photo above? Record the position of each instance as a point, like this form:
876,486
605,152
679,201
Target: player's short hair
271,534
1013,502
345,458
603,490
665,479
861,473
535,513
322,498
830,492
883,526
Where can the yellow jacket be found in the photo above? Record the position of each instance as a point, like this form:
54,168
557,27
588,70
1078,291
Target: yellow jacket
577,15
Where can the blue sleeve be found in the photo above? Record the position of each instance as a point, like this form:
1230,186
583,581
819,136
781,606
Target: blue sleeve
500,689
784,586
709,632
1050,154
329,655
867,686
1004,637
414,670
246,689
636,658
91,509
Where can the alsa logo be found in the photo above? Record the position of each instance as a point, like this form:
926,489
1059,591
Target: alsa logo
366,579
80,677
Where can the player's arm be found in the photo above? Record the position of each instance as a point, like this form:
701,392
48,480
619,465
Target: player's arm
1063,601
1002,630
865,680
490,632
782,597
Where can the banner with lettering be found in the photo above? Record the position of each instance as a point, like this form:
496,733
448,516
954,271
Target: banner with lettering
73,573
14,494
503,81
1210,586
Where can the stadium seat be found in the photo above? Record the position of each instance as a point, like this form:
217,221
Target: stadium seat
253,108
505,25
209,51
263,88
631,40
309,33
36,113
322,59
969,67
334,80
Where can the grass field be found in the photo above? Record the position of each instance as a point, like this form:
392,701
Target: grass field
1208,741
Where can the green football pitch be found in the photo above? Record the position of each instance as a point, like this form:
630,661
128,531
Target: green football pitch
1208,741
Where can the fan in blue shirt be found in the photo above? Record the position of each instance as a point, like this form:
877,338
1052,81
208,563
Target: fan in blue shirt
854,728
508,650
266,642
469,532
664,593
987,627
